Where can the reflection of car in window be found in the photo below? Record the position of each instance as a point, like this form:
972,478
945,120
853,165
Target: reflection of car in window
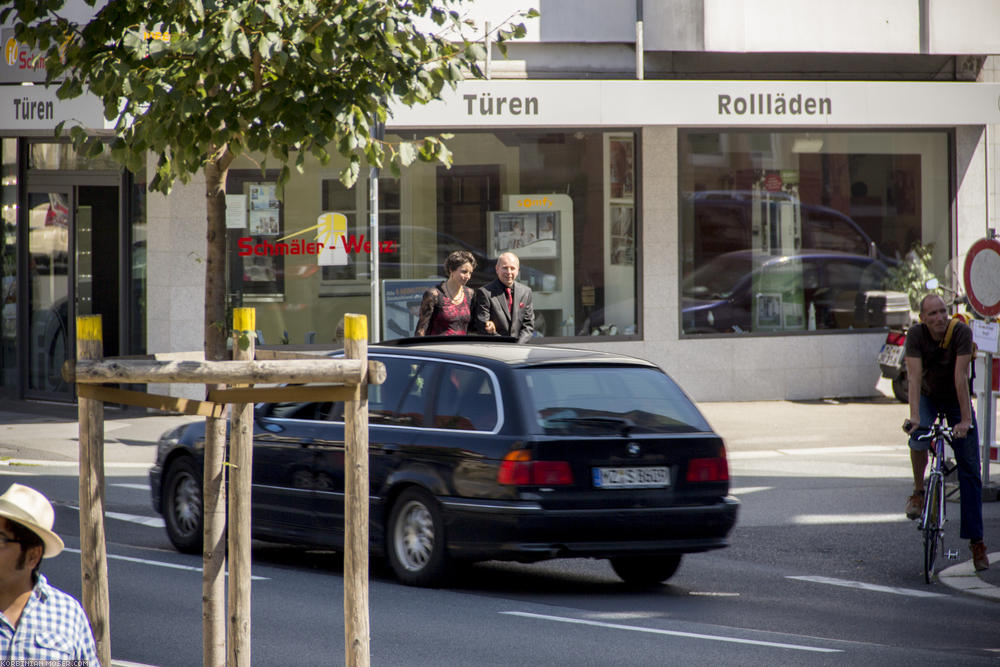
722,223
719,296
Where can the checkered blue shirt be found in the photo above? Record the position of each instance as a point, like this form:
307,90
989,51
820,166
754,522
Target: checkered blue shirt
53,626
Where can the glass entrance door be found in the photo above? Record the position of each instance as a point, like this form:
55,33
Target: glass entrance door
50,271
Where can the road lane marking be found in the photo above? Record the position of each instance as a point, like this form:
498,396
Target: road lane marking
912,592
137,487
150,521
741,491
810,451
160,563
857,449
829,519
671,633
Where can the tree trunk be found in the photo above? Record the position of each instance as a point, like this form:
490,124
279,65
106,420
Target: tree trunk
214,493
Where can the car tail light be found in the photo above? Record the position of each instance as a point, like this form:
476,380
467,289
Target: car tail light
895,338
518,469
708,470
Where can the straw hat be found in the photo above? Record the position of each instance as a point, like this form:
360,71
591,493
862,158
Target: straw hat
32,510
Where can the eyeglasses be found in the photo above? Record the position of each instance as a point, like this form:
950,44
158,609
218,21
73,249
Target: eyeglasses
4,540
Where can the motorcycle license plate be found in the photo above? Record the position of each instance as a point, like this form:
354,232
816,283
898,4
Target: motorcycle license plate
891,355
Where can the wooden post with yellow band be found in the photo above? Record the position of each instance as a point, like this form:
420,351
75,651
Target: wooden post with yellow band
240,485
93,548
349,378
356,625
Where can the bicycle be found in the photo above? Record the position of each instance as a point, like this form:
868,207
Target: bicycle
933,517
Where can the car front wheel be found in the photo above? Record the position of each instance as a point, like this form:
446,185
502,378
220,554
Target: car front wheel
645,570
416,542
182,506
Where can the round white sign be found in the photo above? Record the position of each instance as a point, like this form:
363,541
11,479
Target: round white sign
982,277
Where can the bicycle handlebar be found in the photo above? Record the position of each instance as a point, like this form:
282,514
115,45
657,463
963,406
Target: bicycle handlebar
938,428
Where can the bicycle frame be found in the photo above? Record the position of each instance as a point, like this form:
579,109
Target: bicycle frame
933,518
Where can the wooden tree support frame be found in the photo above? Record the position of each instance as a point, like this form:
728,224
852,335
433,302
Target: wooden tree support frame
345,380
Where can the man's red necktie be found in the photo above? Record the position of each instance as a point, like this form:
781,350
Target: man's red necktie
510,302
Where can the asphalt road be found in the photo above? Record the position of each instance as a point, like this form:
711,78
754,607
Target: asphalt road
823,569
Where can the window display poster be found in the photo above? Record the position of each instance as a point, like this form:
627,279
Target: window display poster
401,305
622,168
532,235
622,235
779,305
263,272
264,223
264,210
263,197
236,212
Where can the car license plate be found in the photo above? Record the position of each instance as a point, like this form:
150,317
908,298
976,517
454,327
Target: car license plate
648,477
891,355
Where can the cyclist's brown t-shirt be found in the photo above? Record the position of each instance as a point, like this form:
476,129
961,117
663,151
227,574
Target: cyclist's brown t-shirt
938,381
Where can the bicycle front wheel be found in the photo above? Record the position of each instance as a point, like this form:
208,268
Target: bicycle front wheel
932,520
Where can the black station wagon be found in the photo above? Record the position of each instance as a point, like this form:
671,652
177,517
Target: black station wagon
485,451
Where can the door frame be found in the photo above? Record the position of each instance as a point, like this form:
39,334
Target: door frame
68,183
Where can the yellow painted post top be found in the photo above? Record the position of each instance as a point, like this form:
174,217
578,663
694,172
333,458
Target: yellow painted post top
88,327
244,319
355,327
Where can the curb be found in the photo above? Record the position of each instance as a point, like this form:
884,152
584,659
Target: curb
963,577
13,463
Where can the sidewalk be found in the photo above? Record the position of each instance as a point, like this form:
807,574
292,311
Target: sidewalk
35,433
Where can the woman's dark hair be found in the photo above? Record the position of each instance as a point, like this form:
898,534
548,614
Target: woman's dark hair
27,539
457,259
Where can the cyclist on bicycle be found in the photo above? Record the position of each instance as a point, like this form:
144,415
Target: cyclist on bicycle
938,354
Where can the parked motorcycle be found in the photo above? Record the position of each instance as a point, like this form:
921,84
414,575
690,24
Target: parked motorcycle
892,364
892,310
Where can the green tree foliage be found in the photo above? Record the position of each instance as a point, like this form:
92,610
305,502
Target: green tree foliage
911,275
198,81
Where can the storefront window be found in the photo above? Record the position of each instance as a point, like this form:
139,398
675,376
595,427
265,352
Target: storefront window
565,202
8,263
47,156
793,231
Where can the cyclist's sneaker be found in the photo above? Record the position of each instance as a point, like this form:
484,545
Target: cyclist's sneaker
915,506
979,559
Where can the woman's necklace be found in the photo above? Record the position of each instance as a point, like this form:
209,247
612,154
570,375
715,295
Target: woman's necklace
458,295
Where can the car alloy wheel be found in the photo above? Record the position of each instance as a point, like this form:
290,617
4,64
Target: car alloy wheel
416,548
183,506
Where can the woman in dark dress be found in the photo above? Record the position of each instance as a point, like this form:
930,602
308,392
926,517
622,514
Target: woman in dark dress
447,308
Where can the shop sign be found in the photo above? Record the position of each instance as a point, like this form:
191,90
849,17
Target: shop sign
331,247
622,103
27,108
20,64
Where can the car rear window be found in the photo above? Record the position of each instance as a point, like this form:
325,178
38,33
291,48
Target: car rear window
608,399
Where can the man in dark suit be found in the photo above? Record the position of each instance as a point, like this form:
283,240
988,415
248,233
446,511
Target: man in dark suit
503,306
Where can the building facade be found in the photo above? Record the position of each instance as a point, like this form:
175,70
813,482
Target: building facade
723,187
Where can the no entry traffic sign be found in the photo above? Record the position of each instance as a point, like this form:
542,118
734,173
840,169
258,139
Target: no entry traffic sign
982,277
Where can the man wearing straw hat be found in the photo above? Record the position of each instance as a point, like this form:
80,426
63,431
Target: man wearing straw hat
38,622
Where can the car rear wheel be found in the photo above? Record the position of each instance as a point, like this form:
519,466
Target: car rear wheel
645,570
416,546
182,506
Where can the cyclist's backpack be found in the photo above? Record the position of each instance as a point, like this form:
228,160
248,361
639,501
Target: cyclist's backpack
946,341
